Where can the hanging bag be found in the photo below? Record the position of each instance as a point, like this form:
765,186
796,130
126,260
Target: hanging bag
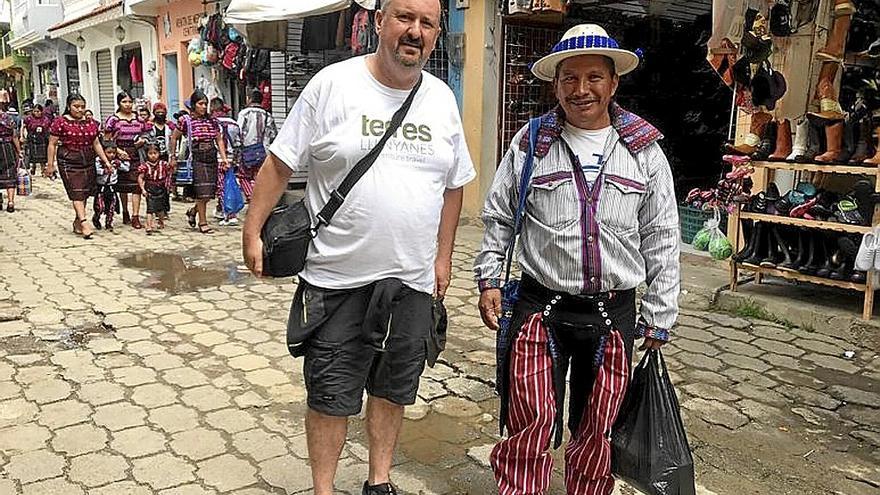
510,289
649,446
288,231
24,182
253,155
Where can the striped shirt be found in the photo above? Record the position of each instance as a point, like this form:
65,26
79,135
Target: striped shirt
580,239
200,128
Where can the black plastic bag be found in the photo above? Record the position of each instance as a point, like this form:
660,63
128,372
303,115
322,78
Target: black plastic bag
649,446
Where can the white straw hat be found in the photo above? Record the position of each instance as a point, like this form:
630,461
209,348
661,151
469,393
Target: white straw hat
585,39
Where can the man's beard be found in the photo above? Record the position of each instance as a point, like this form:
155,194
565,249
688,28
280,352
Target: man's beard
406,61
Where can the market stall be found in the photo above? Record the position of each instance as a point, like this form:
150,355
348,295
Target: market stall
806,83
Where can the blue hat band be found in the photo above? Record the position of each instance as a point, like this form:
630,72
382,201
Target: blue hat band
591,41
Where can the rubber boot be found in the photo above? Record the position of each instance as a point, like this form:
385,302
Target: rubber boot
827,265
813,254
875,160
773,255
848,146
768,142
863,141
833,143
801,134
802,250
759,247
815,140
826,93
786,262
753,138
749,232
783,141
836,41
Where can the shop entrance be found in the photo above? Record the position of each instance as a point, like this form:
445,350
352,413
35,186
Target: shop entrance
171,81
130,71
106,100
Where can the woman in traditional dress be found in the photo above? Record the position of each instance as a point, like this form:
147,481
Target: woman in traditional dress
74,142
36,128
10,149
207,140
127,130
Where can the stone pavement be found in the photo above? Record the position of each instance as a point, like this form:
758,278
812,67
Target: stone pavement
132,364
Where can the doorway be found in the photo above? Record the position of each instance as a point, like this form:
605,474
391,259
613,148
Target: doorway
171,82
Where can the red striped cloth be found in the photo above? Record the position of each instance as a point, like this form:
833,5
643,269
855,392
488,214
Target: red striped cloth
521,462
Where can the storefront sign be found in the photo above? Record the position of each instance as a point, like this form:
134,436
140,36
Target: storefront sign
187,25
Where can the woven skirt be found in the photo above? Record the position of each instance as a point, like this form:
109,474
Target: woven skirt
38,150
128,181
8,166
78,174
204,161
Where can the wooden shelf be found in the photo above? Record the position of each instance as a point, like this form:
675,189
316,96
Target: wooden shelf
815,167
840,284
810,224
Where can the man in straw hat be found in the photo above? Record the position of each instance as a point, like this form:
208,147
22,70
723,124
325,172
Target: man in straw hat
600,218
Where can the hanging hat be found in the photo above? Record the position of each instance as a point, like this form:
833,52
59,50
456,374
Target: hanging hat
585,39
768,86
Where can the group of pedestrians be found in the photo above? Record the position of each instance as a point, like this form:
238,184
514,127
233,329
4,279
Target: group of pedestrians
136,155
583,199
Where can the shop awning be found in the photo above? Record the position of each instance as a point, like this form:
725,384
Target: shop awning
251,11
97,16
26,39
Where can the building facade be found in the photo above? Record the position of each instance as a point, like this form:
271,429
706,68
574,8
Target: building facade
53,62
117,50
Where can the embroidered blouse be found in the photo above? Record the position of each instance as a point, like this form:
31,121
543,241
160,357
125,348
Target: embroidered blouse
37,127
74,134
125,131
201,129
156,173
8,128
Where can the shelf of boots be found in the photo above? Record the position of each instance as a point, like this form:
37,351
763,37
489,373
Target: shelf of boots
800,277
816,167
810,224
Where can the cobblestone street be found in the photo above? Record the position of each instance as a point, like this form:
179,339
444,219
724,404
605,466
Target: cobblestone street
138,365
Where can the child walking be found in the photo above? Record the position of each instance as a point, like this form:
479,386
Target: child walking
154,178
106,198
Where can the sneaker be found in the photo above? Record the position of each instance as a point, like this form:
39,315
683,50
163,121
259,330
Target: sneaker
867,255
232,222
223,223
380,489
218,215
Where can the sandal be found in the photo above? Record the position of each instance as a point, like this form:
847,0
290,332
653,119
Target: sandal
191,217
77,227
10,208
136,222
203,230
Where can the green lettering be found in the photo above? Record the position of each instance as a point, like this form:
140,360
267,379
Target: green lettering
364,123
377,128
425,133
409,132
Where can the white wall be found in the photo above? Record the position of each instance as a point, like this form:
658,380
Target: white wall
102,37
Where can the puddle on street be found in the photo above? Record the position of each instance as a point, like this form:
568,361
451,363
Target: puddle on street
174,273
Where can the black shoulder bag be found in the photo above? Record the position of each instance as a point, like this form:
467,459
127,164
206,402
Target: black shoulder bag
288,231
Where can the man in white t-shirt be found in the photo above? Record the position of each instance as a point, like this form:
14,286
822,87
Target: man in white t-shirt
388,246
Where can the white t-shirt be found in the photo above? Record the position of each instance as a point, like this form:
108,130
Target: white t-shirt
588,145
387,226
